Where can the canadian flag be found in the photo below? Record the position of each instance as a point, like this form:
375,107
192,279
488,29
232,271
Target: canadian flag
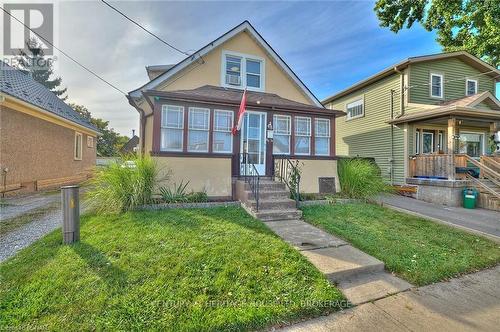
241,112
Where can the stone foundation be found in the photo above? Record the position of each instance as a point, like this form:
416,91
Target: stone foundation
445,192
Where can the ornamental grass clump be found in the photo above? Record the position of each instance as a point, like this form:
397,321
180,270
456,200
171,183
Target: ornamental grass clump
124,184
361,179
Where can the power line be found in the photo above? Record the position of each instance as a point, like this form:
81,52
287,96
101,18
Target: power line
146,30
65,54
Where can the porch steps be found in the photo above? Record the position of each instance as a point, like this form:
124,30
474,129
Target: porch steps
486,199
274,201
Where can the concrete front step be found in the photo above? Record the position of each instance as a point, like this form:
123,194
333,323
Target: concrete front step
303,236
343,262
273,194
371,286
273,204
271,215
268,185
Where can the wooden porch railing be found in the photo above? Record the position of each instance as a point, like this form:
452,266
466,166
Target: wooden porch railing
436,165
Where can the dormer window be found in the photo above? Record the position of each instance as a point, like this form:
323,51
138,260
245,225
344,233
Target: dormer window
471,87
436,85
241,70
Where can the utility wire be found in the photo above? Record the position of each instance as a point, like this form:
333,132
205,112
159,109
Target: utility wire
66,54
143,28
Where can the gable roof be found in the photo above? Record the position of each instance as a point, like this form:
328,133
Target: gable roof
462,55
130,145
216,94
198,56
22,86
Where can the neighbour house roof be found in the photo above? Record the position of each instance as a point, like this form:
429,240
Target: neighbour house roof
464,107
196,57
462,55
22,86
216,94
130,145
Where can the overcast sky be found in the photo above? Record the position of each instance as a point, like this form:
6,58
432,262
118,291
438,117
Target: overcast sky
330,45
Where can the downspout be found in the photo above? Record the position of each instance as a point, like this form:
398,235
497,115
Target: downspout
142,121
391,160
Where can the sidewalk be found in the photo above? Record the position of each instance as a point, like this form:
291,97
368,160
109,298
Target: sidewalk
469,303
479,221
359,276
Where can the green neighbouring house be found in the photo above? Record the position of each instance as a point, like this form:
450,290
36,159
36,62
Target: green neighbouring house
428,121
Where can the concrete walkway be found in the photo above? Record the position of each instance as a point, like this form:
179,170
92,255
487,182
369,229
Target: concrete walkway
359,276
479,221
469,303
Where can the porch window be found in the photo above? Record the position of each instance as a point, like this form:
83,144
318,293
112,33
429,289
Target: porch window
172,128
282,132
471,87
427,142
355,109
302,135
471,144
78,146
223,140
436,85
199,124
322,137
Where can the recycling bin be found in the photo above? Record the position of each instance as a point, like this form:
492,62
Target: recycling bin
470,198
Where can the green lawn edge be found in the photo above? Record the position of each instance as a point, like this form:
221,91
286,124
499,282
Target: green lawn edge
115,279
416,249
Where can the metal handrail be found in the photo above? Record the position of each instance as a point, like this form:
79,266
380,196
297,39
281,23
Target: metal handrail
286,172
251,176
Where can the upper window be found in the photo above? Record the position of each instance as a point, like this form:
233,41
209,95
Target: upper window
282,132
436,85
242,71
172,128
302,135
78,146
223,139
199,124
355,109
322,137
471,87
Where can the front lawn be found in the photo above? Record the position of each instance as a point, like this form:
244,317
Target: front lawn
213,269
416,249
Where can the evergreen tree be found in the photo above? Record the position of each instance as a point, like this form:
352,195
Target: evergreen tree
40,68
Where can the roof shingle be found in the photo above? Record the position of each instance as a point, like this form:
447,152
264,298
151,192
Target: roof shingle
17,84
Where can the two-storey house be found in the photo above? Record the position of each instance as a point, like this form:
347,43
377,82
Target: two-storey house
425,119
187,112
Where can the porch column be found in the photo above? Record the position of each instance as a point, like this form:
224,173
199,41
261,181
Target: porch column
421,141
452,128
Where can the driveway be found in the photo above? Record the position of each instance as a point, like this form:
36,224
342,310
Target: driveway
480,221
469,303
23,220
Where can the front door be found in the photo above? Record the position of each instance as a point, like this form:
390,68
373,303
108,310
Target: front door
253,142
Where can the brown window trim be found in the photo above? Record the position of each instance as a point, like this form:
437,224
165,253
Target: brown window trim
191,154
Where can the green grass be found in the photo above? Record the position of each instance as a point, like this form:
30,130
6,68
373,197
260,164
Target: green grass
11,224
176,270
416,249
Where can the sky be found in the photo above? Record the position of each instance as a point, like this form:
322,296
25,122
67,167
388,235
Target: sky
330,45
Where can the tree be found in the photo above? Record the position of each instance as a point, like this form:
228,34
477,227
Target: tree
470,25
109,142
40,68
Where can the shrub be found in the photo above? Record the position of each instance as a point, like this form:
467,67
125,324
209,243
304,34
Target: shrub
123,185
177,194
360,178
197,197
